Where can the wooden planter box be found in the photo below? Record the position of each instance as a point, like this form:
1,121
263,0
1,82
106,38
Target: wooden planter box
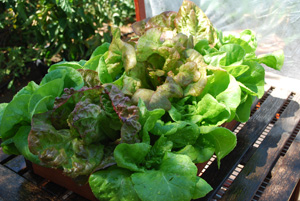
57,176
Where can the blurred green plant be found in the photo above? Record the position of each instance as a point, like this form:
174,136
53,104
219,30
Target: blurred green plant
72,29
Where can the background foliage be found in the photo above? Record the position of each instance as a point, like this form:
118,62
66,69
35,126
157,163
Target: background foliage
72,29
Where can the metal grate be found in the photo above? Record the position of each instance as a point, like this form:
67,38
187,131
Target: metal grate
290,140
284,150
260,139
273,121
262,187
228,182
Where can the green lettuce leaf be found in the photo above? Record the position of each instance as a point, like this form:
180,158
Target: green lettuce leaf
225,89
121,55
100,50
29,89
63,64
102,70
207,112
2,109
147,119
113,183
8,146
234,54
180,133
218,140
131,156
21,143
246,39
253,80
274,60
176,177
92,63
15,115
222,139
43,98
202,188
157,152
73,78
244,109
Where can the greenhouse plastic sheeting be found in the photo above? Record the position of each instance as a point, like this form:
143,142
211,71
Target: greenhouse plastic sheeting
276,23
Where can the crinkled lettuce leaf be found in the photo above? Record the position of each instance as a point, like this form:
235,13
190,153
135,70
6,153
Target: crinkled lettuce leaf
218,140
58,148
216,104
30,100
128,114
113,183
246,39
176,177
160,97
191,20
72,136
180,133
164,21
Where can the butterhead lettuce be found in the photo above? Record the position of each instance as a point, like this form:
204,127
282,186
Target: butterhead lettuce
135,118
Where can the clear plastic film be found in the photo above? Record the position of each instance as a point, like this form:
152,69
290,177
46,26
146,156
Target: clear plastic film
275,22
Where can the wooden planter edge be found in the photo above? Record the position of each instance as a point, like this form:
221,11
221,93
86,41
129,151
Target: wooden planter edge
57,176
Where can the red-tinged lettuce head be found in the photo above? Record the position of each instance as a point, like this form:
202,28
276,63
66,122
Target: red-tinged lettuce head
190,20
163,62
81,131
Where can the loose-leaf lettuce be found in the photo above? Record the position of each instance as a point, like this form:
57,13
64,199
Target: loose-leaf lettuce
73,135
191,20
137,115
176,177
131,156
113,183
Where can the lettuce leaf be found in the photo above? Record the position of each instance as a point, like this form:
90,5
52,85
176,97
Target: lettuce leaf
176,177
72,77
58,148
121,55
113,183
180,133
148,119
191,20
218,140
72,135
131,156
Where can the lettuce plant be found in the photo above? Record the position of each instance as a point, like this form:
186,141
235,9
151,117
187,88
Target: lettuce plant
135,118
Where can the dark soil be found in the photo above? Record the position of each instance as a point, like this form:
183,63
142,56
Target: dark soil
37,71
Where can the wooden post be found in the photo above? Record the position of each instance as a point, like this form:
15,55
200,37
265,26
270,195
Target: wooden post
140,10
